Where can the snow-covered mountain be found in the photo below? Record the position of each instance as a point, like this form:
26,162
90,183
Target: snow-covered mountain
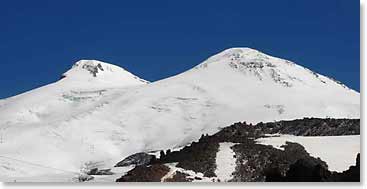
99,75
101,113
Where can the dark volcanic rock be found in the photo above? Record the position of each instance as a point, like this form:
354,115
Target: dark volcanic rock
304,171
254,162
350,175
314,127
199,157
151,173
93,69
299,127
136,159
96,171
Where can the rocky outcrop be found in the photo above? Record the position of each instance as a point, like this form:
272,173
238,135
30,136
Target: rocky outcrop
299,127
350,175
96,171
254,162
313,127
137,159
303,171
198,156
93,69
149,173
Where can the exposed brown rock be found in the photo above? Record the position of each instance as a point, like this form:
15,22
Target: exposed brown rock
150,173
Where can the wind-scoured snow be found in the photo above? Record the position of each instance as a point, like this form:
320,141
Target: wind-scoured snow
339,152
225,161
32,172
102,113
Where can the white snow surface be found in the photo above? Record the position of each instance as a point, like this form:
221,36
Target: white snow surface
339,152
108,114
225,161
191,174
97,74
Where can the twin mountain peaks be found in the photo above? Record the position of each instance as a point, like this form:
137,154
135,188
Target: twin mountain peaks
99,112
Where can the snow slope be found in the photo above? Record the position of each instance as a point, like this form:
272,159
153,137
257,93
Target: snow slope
225,161
104,113
339,152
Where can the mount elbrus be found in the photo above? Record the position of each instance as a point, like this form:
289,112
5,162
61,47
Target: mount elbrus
98,113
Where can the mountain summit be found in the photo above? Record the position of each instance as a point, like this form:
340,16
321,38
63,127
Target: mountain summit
101,113
254,63
102,73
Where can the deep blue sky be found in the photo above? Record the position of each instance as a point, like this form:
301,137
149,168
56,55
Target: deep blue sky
39,40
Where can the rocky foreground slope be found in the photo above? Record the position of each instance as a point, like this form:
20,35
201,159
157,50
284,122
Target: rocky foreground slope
254,162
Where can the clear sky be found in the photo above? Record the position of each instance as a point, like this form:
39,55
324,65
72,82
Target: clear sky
39,40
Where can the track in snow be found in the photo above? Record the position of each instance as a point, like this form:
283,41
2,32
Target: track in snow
226,162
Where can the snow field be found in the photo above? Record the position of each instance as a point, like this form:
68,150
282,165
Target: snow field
339,152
